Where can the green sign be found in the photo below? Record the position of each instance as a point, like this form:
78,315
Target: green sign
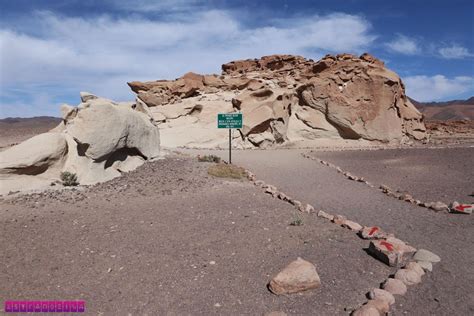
229,120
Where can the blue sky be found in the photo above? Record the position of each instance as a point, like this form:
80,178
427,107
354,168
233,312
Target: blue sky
51,50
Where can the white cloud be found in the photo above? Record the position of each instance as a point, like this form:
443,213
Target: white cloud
157,6
101,54
438,87
454,52
404,45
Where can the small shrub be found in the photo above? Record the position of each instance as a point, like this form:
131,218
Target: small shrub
226,171
209,158
69,178
297,220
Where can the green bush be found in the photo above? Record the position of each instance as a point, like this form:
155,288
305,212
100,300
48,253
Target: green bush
209,158
69,178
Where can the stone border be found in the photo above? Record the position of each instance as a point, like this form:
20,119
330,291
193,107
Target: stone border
412,263
434,206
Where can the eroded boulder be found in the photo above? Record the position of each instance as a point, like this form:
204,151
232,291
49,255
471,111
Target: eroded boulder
97,140
35,155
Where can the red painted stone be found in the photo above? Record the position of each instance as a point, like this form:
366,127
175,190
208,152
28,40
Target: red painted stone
373,230
461,207
387,245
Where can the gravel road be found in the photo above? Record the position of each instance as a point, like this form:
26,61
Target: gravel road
446,291
169,239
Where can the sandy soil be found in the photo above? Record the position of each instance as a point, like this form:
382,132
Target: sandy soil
447,290
144,243
443,174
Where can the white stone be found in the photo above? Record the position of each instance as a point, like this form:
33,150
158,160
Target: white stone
425,255
426,265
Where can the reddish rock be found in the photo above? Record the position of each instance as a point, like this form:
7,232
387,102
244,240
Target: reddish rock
439,206
290,99
372,232
395,286
458,208
382,295
366,310
415,267
300,275
325,215
306,208
339,219
409,277
352,225
391,251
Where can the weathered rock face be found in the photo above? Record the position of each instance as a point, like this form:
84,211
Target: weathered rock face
96,140
287,100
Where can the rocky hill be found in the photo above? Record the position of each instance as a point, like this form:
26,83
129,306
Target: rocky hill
449,110
285,100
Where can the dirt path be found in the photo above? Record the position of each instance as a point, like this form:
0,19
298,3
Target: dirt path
446,291
169,239
430,174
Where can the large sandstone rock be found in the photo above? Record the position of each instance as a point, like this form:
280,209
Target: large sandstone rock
35,155
286,100
97,140
102,128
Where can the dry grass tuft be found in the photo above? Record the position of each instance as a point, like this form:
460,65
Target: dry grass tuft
226,171
209,158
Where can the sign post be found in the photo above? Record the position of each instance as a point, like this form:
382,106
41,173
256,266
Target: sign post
230,121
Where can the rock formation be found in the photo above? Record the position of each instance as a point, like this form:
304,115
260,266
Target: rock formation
97,140
285,100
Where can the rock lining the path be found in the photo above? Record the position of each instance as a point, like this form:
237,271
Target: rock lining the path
300,275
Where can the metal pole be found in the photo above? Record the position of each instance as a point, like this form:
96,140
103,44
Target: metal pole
230,146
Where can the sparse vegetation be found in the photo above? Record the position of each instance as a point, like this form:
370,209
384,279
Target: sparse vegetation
297,220
69,178
226,171
209,158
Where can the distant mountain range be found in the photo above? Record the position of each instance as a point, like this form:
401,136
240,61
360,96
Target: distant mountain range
449,110
442,111
33,120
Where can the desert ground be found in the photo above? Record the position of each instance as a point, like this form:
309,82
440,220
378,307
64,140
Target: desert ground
16,130
168,238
